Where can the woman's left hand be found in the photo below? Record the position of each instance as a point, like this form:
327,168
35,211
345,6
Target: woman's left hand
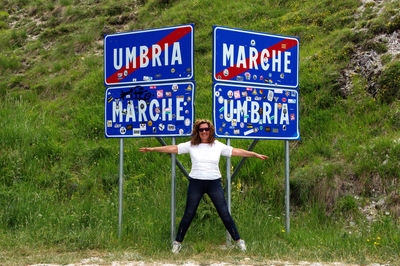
262,156
244,153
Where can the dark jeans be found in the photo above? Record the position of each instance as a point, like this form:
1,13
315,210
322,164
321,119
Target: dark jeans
195,192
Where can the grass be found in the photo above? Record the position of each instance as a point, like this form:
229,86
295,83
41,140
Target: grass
313,236
59,175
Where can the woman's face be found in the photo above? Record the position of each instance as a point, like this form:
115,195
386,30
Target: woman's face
204,132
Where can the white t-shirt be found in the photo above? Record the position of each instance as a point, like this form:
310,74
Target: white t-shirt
205,158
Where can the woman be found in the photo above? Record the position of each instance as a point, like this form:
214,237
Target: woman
205,177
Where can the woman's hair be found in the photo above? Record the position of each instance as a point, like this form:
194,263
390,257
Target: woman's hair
195,132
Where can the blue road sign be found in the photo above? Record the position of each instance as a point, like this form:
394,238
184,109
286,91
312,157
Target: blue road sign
153,110
256,58
148,56
244,111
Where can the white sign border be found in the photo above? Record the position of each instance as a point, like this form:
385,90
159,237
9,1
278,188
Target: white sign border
150,81
256,33
192,83
297,137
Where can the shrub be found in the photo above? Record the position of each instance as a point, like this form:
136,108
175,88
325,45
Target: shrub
376,26
114,10
50,33
394,116
3,18
300,190
389,83
347,204
386,58
3,15
338,20
7,62
17,38
394,24
379,47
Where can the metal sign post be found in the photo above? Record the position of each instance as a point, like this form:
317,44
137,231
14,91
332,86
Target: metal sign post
121,176
173,186
287,188
228,188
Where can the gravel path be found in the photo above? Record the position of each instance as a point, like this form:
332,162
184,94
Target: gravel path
246,261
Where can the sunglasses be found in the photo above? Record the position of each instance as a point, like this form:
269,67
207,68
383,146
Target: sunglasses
204,129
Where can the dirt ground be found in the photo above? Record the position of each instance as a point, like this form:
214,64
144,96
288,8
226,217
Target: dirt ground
246,261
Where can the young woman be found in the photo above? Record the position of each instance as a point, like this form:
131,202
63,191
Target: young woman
205,177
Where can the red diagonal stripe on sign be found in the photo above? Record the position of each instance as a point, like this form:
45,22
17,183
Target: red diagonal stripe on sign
174,36
234,71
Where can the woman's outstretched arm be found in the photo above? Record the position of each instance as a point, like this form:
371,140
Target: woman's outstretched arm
165,149
244,153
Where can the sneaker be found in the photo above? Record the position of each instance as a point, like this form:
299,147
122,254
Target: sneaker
241,245
176,247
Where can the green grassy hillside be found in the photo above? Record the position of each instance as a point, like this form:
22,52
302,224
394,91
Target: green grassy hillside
59,174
